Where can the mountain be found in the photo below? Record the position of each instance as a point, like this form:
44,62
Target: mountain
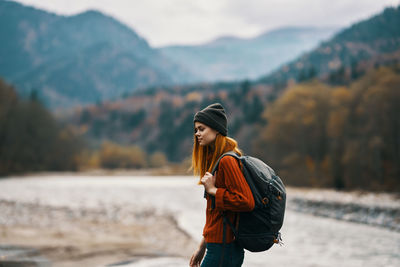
349,54
72,60
231,58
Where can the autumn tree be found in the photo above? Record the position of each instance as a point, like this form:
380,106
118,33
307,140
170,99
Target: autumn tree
31,139
372,152
341,137
112,156
295,138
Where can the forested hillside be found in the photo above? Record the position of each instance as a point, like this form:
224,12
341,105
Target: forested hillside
337,136
349,54
80,59
90,57
314,134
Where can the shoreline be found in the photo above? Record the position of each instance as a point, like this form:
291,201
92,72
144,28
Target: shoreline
371,208
91,237
162,171
387,218
376,209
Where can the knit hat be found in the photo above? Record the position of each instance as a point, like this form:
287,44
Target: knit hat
214,116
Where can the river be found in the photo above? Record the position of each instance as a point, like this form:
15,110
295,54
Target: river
308,240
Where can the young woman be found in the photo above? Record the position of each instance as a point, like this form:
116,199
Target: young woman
227,191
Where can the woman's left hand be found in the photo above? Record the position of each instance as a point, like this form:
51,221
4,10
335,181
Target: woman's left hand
208,180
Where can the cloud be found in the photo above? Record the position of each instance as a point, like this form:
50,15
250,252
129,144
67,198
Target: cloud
273,13
163,22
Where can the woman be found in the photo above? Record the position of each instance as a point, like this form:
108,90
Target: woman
228,187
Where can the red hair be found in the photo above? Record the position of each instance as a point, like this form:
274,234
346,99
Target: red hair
204,158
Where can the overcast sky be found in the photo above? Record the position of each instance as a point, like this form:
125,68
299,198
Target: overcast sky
165,22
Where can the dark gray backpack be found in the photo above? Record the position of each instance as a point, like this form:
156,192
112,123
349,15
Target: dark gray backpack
258,229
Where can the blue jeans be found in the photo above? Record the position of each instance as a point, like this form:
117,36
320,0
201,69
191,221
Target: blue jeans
233,255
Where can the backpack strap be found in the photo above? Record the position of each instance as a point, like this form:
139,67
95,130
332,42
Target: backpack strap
229,153
225,220
221,260
214,169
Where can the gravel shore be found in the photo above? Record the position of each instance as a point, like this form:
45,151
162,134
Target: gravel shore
377,209
92,237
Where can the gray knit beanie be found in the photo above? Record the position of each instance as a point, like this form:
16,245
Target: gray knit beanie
214,116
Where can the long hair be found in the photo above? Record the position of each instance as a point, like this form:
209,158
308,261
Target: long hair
204,158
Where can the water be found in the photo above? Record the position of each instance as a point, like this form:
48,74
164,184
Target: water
308,240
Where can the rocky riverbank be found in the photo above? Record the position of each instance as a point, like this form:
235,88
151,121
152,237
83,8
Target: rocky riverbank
90,237
378,209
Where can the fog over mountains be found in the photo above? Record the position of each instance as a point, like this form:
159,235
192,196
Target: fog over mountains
231,58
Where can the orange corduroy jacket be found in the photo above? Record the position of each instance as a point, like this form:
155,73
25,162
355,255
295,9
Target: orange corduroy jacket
233,195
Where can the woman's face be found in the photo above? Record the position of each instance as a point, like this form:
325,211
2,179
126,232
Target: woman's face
204,134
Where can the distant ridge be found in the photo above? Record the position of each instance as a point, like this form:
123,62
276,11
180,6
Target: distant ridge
232,58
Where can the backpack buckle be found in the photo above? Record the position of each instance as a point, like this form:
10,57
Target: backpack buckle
278,239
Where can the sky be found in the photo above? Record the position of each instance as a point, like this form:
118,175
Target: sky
188,22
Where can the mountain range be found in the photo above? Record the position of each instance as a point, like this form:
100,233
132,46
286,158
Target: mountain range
75,60
90,57
232,58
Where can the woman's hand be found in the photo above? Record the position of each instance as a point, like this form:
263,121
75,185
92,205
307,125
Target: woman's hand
198,255
208,181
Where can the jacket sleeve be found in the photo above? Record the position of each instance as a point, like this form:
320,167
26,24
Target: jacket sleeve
237,195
